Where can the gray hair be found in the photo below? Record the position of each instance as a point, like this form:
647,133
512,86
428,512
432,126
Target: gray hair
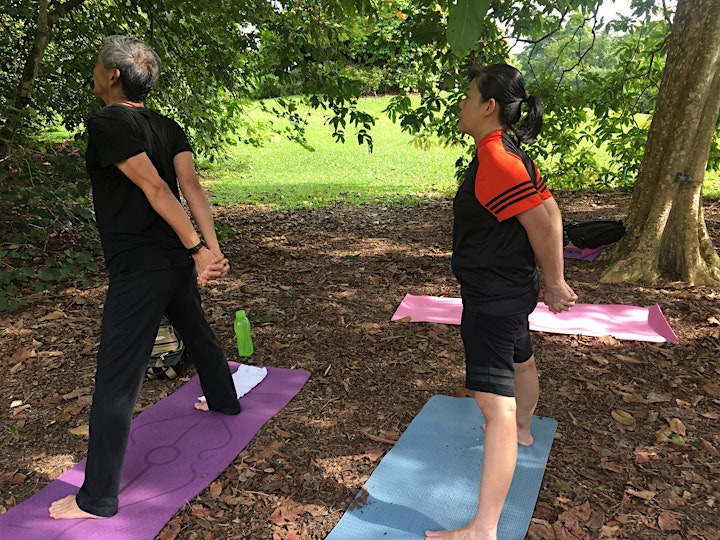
138,63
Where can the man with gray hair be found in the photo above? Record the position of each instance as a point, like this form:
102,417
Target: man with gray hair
139,162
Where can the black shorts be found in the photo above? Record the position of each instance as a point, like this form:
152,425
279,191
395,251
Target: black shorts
492,345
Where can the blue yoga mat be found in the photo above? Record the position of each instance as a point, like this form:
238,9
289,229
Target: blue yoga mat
430,479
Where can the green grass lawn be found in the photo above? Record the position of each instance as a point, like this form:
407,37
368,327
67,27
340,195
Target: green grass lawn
286,175
283,174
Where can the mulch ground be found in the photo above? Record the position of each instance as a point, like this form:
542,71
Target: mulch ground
636,450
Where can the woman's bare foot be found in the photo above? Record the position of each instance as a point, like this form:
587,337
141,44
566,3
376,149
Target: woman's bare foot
202,406
525,438
67,508
458,534
461,391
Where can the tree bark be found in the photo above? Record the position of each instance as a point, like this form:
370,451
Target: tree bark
666,235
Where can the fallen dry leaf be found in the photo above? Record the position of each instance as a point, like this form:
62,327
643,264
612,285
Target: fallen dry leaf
596,520
544,512
712,389
374,455
663,435
623,417
21,409
55,315
607,531
599,359
83,430
605,341
668,521
678,427
172,529
609,466
77,393
628,359
708,447
201,512
286,513
21,354
272,449
643,456
644,494
282,433
18,478
540,529
215,489
654,397
669,500
576,517
389,440
360,500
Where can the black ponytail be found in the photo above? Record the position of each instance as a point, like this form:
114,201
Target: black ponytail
531,125
506,86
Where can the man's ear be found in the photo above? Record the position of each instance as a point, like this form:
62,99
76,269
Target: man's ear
115,75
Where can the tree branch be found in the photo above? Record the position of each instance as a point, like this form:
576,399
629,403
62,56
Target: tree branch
63,9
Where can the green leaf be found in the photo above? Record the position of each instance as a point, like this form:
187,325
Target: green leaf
14,432
464,22
47,274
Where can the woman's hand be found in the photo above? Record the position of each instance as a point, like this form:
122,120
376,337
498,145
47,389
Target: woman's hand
210,264
559,297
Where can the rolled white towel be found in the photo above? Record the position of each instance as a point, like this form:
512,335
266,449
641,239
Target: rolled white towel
245,378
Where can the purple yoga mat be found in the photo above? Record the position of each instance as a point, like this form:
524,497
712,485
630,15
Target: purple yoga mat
571,251
619,321
173,454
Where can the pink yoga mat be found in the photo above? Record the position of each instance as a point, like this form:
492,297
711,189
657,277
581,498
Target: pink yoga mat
174,453
619,321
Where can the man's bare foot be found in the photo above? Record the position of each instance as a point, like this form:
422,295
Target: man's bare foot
67,508
202,406
458,534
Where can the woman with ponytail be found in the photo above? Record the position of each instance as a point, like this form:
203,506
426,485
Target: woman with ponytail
505,219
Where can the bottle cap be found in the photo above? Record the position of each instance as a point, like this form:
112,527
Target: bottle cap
240,313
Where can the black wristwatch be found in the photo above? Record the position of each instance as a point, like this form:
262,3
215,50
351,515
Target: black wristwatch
193,250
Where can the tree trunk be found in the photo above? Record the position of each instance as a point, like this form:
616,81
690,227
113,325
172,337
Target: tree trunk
46,18
666,234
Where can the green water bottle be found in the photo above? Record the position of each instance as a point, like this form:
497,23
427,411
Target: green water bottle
242,333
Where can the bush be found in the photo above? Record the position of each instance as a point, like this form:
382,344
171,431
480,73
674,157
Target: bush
47,222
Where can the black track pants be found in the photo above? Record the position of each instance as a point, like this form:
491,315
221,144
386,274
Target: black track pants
135,302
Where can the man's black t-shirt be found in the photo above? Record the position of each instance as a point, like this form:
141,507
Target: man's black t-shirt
133,235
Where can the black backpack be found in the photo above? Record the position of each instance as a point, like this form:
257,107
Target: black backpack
595,233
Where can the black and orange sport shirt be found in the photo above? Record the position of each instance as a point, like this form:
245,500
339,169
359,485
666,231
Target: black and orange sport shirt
492,256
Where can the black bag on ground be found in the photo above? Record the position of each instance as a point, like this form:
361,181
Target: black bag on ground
595,233
168,357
